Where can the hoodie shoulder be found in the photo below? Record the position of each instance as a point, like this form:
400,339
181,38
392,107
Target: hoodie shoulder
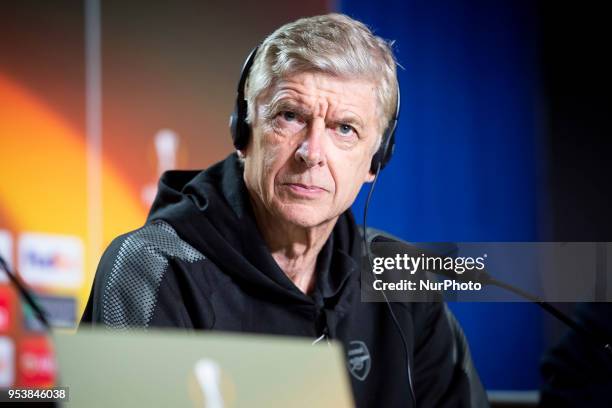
131,271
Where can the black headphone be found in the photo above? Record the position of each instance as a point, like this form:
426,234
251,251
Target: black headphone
241,131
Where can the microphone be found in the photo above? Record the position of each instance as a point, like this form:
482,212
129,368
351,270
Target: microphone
483,277
26,294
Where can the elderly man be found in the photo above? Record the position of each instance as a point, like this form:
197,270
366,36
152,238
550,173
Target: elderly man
265,242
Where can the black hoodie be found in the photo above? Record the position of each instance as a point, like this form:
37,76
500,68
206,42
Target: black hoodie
200,262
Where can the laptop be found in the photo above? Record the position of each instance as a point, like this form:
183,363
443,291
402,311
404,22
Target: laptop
172,368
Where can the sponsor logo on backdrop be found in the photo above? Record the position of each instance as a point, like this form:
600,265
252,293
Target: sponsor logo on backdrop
7,362
37,363
5,315
6,252
61,312
166,143
51,260
6,301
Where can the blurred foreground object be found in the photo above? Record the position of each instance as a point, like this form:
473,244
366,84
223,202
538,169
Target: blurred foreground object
171,368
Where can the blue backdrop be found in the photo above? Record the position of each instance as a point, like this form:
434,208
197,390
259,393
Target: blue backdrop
468,160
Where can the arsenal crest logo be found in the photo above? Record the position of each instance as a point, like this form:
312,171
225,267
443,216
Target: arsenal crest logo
359,361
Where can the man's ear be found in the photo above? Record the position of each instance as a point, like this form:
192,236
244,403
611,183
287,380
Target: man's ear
369,177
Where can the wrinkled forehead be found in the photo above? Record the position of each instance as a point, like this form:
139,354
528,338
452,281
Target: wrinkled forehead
310,90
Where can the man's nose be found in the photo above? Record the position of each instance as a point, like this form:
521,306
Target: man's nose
311,150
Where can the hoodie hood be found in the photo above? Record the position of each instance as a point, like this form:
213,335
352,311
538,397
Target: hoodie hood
211,209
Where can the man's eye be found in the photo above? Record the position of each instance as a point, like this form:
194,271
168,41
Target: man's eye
289,116
344,129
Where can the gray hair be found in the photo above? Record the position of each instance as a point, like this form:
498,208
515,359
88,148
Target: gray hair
333,44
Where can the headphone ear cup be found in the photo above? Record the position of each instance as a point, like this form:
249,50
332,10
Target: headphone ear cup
389,150
376,159
239,128
233,124
384,153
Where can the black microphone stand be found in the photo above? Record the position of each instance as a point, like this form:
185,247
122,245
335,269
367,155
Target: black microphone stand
25,293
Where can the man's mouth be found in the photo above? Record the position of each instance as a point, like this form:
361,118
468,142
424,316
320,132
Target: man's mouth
304,189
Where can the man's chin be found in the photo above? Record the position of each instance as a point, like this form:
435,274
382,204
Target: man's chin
306,218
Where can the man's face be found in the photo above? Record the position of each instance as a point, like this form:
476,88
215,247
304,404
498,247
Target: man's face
313,137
